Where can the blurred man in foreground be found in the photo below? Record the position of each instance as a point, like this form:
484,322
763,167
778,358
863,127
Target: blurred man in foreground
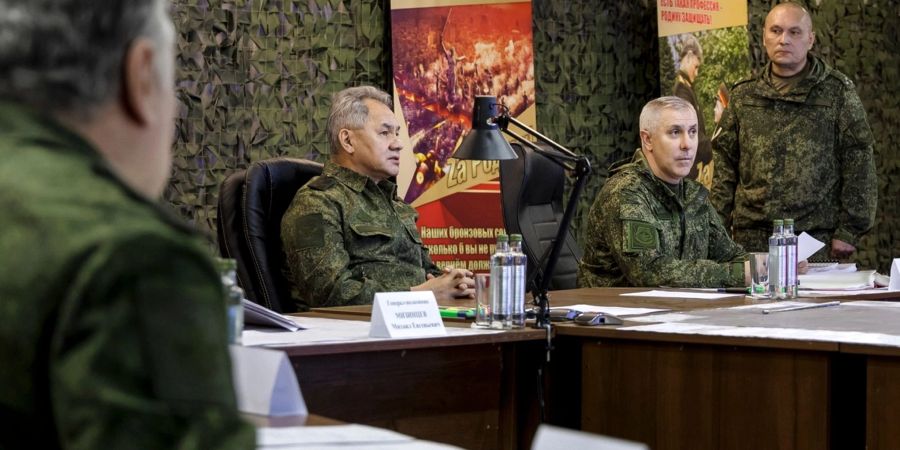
114,324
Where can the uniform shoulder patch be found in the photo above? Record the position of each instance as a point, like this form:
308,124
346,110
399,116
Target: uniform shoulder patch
322,183
310,231
640,236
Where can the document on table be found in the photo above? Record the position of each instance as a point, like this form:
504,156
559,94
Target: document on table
864,279
339,436
681,294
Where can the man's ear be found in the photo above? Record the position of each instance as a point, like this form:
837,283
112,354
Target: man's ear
812,40
345,138
645,140
139,81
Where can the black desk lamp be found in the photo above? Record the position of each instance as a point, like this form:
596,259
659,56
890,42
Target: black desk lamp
485,142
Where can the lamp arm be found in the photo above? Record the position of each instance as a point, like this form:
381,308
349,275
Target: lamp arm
541,297
580,171
504,121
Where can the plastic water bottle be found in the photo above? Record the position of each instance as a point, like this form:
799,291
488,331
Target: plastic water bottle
777,261
519,266
234,297
501,285
791,282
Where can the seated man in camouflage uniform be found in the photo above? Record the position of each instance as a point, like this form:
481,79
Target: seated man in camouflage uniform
114,321
649,226
346,234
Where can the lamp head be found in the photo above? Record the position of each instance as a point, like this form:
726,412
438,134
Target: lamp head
484,140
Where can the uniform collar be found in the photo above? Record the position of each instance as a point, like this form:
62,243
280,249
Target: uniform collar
692,189
818,70
355,180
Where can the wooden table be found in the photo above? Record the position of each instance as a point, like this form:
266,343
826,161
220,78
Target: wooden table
676,391
474,391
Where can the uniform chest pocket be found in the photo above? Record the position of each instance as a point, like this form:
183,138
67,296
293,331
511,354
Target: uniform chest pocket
368,239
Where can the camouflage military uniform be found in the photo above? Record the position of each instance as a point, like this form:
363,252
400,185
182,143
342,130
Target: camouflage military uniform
806,155
701,171
114,327
346,238
640,233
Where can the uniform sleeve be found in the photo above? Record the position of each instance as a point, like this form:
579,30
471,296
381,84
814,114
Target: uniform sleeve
726,157
721,247
634,234
140,354
313,241
859,189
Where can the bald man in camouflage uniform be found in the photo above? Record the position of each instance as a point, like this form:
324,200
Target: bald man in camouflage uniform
651,226
347,235
795,143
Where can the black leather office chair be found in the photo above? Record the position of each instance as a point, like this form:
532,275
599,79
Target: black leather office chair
251,204
532,189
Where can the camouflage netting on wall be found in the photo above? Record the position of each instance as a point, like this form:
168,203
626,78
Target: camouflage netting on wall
255,79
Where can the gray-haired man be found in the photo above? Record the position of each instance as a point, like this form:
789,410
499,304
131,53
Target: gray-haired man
347,235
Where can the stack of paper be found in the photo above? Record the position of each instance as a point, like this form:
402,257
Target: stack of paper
838,280
256,314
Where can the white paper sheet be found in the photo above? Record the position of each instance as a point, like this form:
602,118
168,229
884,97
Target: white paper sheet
807,245
549,437
774,333
322,331
613,310
339,436
681,294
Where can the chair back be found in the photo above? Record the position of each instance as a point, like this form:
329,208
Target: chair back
532,189
251,204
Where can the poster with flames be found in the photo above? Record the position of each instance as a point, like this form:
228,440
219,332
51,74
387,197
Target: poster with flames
445,52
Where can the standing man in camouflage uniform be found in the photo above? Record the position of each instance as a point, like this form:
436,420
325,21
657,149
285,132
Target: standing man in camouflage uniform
346,234
795,143
650,226
114,322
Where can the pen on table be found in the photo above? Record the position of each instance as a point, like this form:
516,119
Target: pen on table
734,290
799,307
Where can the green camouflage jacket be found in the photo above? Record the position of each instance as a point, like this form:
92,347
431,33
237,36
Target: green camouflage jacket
346,238
806,155
114,324
639,233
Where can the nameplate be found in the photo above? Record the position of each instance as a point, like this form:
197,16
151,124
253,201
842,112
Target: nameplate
265,383
406,314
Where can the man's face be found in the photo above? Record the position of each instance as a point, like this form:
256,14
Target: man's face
670,148
788,37
376,146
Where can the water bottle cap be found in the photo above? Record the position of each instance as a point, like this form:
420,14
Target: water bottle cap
515,237
502,237
788,221
777,222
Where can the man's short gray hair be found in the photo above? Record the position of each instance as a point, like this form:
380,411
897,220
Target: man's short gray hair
650,114
66,55
349,110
